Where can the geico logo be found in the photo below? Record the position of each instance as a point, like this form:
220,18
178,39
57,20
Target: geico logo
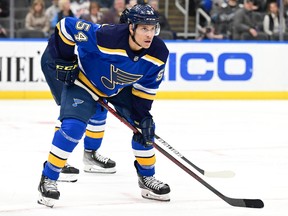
61,67
227,66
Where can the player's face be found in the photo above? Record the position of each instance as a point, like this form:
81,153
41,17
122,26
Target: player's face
144,35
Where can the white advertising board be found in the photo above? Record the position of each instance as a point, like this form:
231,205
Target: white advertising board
226,67
193,67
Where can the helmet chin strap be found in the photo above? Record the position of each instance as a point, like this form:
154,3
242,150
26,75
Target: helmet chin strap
134,40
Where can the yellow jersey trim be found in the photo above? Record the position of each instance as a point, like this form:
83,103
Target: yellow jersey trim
82,78
181,95
142,94
64,39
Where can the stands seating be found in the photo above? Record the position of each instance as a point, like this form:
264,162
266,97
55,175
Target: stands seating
20,15
166,35
5,22
26,33
22,3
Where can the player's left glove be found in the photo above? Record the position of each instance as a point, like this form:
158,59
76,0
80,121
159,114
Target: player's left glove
67,71
147,129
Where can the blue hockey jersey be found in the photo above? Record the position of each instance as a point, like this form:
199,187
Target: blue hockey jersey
106,61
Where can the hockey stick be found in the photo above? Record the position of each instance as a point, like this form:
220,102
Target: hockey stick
218,174
222,174
237,202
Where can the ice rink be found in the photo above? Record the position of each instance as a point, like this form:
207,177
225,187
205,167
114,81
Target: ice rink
249,138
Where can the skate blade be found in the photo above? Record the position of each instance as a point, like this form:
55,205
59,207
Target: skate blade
97,169
150,195
64,177
49,202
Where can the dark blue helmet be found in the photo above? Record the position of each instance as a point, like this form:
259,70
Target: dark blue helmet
124,16
143,14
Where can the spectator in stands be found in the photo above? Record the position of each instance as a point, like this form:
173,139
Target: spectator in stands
260,5
206,6
105,3
94,15
285,5
209,33
112,16
223,18
3,33
65,11
52,12
4,12
131,3
271,23
245,26
80,7
36,19
216,6
165,32
4,8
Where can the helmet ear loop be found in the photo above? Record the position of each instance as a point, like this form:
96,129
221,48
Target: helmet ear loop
157,29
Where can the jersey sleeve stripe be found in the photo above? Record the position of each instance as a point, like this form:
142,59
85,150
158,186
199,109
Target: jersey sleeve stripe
112,51
66,38
153,60
142,94
82,78
142,88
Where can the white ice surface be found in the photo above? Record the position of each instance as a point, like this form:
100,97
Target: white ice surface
247,137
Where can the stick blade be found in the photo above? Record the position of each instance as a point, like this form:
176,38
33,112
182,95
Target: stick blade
254,203
220,174
247,203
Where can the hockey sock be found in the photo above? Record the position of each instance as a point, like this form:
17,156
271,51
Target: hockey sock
95,129
145,159
64,141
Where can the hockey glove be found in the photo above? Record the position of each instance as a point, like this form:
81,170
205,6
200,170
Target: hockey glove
147,132
66,71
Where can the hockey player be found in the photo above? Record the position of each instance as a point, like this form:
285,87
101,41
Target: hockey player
123,64
93,161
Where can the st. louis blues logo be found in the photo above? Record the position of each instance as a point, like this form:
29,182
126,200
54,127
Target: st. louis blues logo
120,77
76,102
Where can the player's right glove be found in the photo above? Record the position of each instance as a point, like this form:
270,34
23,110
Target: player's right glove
67,71
147,129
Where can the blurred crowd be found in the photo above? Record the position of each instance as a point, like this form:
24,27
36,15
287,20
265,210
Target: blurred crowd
243,19
229,19
40,18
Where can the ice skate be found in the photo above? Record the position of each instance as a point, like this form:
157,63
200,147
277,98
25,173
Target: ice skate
48,192
68,174
96,163
153,188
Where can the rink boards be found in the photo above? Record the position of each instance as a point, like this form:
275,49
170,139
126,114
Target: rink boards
195,70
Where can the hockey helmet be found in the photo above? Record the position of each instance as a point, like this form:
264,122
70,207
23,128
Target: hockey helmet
124,16
143,14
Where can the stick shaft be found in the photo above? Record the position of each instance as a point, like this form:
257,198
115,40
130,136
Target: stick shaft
250,203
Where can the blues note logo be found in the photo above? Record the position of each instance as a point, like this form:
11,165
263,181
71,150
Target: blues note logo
76,102
120,77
